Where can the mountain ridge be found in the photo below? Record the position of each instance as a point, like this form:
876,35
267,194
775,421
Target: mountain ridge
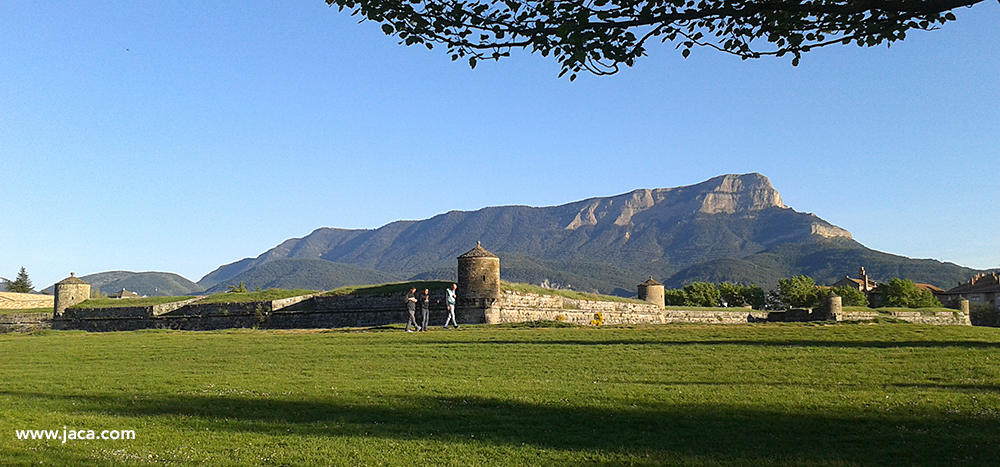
660,232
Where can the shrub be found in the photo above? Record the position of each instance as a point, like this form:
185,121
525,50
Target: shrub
983,315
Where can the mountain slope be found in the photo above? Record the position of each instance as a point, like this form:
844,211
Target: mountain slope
162,284
730,215
314,274
731,227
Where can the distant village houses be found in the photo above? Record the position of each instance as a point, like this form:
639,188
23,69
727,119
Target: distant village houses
984,293
981,290
124,294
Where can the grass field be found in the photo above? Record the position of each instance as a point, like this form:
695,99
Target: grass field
127,302
527,394
47,309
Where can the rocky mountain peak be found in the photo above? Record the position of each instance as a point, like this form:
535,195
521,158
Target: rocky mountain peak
738,193
725,194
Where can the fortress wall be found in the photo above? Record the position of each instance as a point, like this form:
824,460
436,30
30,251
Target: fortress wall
380,310
298,312
128,312
513,307
164,308
918,317
24,322
25,301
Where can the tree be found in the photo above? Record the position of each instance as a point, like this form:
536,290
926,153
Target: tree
238,288
849,296
736,295
675,297
600,35
904,293
701,294
21,283
798,292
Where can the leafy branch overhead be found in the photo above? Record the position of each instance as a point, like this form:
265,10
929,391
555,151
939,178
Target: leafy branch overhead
600,35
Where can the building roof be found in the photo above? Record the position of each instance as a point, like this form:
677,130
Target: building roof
72,279
124,294
478,252
932,288
982,283
650,282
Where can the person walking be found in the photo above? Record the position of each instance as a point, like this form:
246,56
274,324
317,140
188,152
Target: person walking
425,306
450,301
411,307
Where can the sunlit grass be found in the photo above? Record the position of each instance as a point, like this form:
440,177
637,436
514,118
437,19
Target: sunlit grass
47,309
262,296
127,302
775,394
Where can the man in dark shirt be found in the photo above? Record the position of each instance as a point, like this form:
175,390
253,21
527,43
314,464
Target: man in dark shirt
425,306
411,307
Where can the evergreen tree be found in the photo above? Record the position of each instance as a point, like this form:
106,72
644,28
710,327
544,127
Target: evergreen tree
21,284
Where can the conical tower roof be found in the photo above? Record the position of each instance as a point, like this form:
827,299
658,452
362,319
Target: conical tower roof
72,279
478,252
650,282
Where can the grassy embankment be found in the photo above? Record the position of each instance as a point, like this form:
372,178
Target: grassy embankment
262,296
47,309
226,297
751,395
127,302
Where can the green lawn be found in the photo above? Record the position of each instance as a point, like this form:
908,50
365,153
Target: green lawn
262,296
47,309
127,302
774,394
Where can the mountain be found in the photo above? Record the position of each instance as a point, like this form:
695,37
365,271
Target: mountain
143,283
315,274
731,227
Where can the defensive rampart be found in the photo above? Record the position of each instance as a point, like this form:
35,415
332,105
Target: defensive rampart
24,322
24,301
317,311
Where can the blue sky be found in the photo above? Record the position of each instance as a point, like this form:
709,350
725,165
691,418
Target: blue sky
180,136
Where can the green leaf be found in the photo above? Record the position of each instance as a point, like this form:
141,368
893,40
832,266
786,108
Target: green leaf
387,29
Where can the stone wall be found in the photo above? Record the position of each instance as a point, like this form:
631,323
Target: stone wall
24,301
24,322
380,310
515,307
309,311
919,317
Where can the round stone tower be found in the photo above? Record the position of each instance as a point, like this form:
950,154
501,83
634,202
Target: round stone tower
69,292
963,304
478,278
835,307
651,291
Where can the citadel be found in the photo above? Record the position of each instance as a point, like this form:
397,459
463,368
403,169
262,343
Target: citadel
481,300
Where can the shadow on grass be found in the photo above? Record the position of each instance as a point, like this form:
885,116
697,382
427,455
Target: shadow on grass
723,435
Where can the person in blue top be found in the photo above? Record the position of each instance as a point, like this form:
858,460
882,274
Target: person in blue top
451,306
